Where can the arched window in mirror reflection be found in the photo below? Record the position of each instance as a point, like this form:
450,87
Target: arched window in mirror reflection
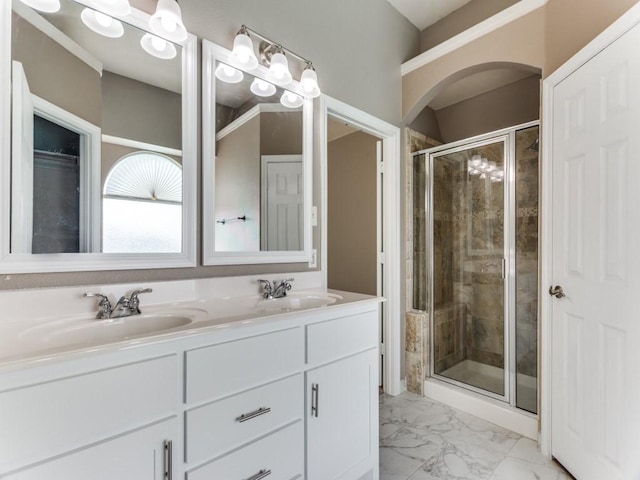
142,205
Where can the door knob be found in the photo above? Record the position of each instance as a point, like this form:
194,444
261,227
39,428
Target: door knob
556,291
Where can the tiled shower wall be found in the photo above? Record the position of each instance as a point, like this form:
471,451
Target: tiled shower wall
468,245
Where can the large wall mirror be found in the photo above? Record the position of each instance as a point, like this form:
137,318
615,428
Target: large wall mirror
100,170
257,166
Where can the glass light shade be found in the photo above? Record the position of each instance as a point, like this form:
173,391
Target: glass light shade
228,74
158,47
242,54
47,6
279,70
101,23
309,83
262,89
291,100
112,7
166,22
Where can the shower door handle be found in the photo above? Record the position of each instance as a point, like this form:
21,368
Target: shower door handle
556,291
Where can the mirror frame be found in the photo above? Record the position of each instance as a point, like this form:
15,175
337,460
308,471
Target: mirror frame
212,53
71,262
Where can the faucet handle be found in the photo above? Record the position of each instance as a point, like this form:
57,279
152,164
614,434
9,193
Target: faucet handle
134,301
266,287
104,305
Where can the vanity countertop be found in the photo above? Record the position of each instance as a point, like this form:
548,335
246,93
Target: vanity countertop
47,339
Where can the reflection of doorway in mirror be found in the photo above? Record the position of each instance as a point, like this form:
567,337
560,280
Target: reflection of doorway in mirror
282,203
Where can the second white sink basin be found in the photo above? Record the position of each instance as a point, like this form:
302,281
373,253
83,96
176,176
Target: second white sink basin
296,302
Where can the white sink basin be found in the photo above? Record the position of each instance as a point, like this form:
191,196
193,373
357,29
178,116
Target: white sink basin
296,302
83,331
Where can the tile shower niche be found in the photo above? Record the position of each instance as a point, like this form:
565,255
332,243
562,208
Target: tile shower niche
476,262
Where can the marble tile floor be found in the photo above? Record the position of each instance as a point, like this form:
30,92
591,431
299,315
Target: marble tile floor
421,439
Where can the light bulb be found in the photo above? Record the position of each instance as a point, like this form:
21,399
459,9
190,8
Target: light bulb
158,47
103,20
279,70
228,74
242,54
291,100
168,24
262,89
101,23
309,82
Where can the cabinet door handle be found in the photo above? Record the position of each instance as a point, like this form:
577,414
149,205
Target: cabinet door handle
168,460
261,474
315,399
256,413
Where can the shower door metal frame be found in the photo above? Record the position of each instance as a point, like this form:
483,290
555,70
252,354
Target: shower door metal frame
508,137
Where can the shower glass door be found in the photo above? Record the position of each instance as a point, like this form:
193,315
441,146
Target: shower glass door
468,265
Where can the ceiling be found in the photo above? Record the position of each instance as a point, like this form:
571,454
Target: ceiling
423,13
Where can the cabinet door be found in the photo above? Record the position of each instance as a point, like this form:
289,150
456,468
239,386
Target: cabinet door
342,417
139,455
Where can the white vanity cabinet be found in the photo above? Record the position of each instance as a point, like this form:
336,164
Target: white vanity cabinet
288,397
107,421
342,398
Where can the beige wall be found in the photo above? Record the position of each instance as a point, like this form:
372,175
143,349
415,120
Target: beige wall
281,133
238,188
519,44
503,107
572,24
351,233
465,17
139,111
427,123
55,74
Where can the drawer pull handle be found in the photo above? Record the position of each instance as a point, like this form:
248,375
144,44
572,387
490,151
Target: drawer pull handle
315,399
261,474
168,460
248,416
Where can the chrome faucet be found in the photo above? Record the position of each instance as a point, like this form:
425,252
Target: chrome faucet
275,289
125,307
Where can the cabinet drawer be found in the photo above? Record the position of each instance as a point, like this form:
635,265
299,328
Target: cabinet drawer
221,370
51,418
217,427
327,341
280,453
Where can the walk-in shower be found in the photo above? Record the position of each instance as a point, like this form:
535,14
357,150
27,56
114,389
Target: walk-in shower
476,262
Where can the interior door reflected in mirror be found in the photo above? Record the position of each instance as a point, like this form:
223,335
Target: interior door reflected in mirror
259,187
96,137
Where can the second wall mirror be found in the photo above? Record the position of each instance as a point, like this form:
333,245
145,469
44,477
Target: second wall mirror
257,165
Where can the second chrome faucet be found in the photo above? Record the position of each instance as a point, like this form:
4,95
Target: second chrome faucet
125,307
275,289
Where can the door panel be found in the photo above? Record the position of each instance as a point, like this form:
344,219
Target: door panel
596,339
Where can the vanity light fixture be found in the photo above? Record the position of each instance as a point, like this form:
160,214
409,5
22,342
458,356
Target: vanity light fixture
112,7
242,54
262,89
274,56
46,6
101,23
291,100
166,22
228,74
483,167
158,47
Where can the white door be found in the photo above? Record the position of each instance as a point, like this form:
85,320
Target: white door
380,260
596,261
22,162
282,203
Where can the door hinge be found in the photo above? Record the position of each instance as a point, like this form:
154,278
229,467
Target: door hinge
380,167
381,257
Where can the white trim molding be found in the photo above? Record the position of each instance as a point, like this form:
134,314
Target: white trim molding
249,114
506,16
393,307
602,41
127,142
